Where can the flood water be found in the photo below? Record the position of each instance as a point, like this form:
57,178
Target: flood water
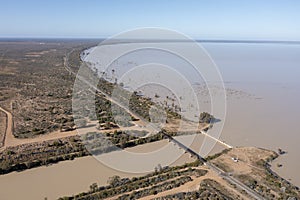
263,91
269,116
72,177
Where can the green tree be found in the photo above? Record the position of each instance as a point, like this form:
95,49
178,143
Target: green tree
93,187
206,118
114,180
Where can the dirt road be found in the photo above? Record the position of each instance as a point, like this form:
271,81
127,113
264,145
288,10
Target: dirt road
11,140
9,127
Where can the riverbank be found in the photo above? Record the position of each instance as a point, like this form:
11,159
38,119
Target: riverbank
261,110
72,177
250,167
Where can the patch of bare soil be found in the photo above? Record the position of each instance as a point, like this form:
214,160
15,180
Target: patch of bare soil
189,189
251,166
175,125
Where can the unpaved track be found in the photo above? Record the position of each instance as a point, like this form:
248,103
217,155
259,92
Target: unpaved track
194,185
9,127
11,140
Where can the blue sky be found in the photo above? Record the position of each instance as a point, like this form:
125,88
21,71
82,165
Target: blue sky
200,19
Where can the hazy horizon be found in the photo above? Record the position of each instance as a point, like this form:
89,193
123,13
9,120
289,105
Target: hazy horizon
252,20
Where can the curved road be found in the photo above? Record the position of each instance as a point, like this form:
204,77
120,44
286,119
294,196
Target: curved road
9,128
10,140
